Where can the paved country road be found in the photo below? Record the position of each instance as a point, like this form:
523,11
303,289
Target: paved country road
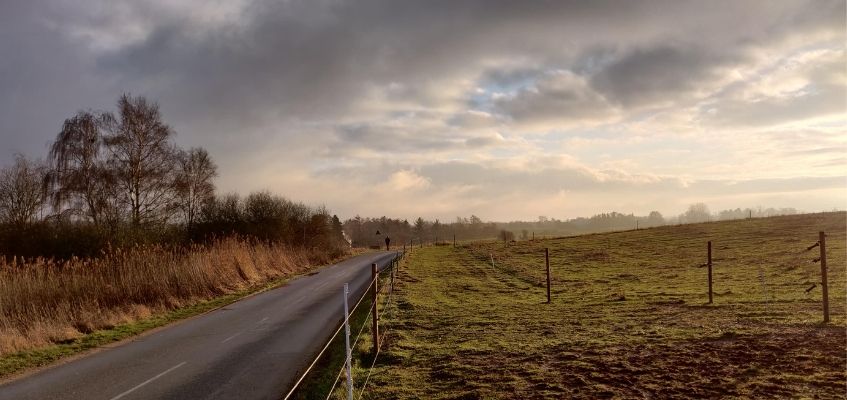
252,349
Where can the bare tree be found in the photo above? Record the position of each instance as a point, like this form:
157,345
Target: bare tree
22,192
143,159
698,212
80,180
195,172
655,219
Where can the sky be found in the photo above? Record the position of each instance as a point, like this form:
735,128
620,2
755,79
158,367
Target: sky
441,108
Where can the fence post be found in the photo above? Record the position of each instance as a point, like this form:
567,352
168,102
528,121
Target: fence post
824,283
349,356
374,313
709,264
547,261
454,240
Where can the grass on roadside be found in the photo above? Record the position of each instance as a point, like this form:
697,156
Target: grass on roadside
628,317
54,311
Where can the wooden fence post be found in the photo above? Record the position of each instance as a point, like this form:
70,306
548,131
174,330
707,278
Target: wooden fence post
374,312
824,283
709,264
454,240
547,262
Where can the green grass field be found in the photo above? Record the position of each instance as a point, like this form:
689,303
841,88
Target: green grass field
628,319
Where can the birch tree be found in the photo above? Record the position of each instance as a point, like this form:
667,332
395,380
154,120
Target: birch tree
143,160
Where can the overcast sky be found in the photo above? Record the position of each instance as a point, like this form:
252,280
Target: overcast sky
505,109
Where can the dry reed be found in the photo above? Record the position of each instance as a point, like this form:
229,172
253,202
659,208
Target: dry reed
44,302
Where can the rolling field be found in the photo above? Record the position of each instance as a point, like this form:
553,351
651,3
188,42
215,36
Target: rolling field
629,316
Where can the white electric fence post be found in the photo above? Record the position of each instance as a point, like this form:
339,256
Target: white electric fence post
349,358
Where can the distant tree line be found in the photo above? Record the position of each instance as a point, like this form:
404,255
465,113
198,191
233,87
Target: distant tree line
116,179
603,222
371,232
362,232
699,212
615,221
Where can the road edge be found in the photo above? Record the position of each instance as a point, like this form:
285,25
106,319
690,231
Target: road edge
168,319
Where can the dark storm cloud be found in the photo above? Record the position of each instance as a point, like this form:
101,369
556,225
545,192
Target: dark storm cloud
43,79
310,58
315,59
658,74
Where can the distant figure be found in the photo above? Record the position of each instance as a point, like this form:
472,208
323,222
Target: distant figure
387,242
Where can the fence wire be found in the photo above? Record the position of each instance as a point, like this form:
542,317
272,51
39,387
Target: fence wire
329,342
358,336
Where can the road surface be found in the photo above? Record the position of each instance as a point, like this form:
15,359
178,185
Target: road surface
252,349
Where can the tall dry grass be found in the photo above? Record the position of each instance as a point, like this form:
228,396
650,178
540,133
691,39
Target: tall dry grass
44,302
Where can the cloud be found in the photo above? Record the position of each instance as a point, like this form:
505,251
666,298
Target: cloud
561,98
405,180
487,101
804,86
559,190
474,119
484,141
660,74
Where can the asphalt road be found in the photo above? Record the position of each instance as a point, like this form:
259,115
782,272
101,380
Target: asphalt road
252,349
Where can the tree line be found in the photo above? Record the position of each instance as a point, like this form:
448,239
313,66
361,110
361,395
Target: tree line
116,179
371,232
615,221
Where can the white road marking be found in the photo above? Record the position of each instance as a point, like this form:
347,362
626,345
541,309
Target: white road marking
232,337
263,320
148,381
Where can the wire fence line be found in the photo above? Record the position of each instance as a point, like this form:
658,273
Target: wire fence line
353,346
326,346
385,304
384,333
341,326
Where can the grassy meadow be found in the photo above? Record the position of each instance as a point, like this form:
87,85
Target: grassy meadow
629,316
